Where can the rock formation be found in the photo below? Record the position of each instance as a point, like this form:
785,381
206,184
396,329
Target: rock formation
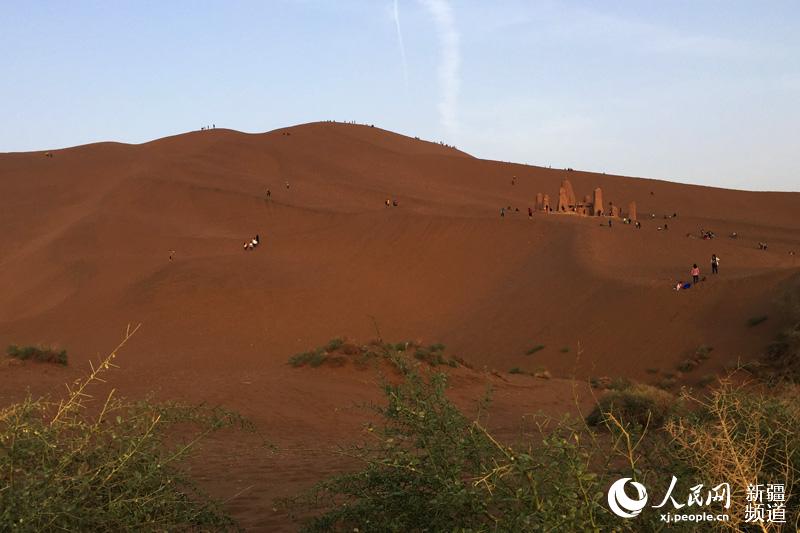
598,202
566,197
632,211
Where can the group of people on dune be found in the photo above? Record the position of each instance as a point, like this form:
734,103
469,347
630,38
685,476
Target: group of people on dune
252,244
695,273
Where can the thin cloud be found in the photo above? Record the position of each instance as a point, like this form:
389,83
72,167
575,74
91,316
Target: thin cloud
450,63
396,14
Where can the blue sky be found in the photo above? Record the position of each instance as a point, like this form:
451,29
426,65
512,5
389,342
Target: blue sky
697,91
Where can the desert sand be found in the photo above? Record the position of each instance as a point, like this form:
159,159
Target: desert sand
86,235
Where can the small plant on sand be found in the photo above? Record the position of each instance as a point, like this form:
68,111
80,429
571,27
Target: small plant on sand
313,358
334,344
116,466
703,352
667,383
642,405
38,353
337,352
516,370
756,320
687,365
535,349
565,349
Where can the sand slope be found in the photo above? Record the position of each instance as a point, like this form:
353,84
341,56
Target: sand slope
85,238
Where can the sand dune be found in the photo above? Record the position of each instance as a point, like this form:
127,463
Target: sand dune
86,236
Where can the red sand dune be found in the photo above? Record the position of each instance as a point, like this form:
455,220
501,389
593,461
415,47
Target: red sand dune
86,234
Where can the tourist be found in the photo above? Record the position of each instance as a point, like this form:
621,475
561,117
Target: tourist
269,194
530,213
609,222
695,273
502,212
714,264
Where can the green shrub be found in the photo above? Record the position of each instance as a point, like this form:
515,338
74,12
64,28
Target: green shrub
64,467
619,383
535,349
703,352
756,320
313,358
565,349
37,353
429,468
516,370
334,344
641,405
667,383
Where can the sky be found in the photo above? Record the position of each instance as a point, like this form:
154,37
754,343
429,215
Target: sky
699,91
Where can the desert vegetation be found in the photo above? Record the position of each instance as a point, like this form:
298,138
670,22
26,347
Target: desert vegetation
38,353
430,467
533,350
339,352
113,465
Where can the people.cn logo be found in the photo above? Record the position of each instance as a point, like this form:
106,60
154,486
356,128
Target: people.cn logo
621,504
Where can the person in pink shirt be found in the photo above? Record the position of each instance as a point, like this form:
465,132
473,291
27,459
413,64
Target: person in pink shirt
695,274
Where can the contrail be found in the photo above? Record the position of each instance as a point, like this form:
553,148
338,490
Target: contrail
450,62
400,41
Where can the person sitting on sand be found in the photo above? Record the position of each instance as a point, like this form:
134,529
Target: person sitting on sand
695,273
678,285
394,202
714,264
